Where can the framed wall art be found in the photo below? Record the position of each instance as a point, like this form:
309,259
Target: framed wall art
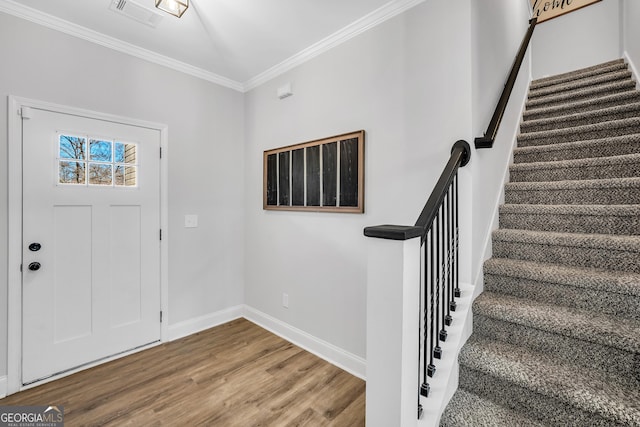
321,175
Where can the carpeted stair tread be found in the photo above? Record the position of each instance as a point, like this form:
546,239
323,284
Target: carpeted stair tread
580,83
513,369
585,325
470,410
609,219
581,94
568,108
613,191
619,253
606,67
624,166
609,292
616,112
586,132
616,146
588,278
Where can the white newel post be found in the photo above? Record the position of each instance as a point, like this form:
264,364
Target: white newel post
393,293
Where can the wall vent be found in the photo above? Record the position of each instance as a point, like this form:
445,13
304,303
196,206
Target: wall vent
136,12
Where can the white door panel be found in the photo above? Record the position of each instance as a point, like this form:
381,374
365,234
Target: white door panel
97,291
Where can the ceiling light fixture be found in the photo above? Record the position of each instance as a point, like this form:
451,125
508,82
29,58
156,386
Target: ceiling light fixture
173,7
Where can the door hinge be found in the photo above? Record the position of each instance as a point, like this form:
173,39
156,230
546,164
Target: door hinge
20,268
161,316
161,234
160,152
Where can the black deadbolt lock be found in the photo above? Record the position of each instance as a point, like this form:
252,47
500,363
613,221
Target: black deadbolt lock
34,266
35,247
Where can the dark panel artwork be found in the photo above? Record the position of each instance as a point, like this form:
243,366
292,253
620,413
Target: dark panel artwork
313,176
297,177
349,172
272,179
283,178
329,172
322,175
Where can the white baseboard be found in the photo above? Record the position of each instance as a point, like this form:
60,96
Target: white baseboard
3,387
634,70
192,326
351,363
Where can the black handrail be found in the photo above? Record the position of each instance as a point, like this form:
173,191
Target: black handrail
489,137
460,155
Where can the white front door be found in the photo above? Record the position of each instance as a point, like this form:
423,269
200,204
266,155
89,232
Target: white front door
91,248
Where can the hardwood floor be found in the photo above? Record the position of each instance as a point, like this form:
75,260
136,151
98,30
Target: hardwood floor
236,374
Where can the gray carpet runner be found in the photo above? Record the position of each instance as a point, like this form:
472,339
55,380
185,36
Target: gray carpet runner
556,332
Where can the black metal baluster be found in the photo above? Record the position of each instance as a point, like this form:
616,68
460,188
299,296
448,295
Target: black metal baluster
437,351
431,369
422,335
452,302
443,271
456,291
427,354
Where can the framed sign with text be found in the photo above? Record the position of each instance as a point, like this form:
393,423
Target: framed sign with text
548,9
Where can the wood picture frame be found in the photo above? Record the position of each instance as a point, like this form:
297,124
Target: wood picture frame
324,175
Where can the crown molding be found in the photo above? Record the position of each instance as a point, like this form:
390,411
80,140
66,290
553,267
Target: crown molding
24,12
377,17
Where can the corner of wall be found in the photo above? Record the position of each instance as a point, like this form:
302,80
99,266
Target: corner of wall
349,362
197,324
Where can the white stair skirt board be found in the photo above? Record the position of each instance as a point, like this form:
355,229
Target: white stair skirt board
351,363
197,324
3,387
445,381
632,66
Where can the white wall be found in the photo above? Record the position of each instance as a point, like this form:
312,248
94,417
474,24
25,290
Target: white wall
631,35
206,174
407,83
579,39
498,29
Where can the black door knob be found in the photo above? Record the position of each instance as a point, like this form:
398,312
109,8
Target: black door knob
35,247
34,266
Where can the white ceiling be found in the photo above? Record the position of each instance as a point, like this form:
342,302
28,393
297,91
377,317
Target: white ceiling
236,43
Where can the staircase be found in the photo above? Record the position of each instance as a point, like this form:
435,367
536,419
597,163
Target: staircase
556,336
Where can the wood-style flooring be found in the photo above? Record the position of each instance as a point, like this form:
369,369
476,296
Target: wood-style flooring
236,374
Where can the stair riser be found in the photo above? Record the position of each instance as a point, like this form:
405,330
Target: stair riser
596,104
597,224
617,260
580,74
588,119
547,409
576,84
579,134
608,360
594,196
586,150
564,295
578,95
604,171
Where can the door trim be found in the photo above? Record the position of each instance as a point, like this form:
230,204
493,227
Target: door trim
14,276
